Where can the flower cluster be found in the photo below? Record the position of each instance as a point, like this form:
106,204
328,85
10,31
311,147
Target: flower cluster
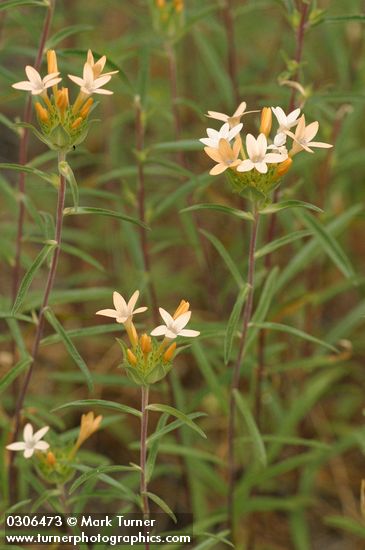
64,125
168,16
255,168
54,463
147,360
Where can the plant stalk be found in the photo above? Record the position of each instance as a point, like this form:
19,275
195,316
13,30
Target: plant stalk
237,368
143,454
39,332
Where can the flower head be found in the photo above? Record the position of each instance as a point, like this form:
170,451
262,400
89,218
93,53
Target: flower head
90,84
174,327
35,83
285,123
303,137
226,156
123,312
232,120
225,132
32,441
258,156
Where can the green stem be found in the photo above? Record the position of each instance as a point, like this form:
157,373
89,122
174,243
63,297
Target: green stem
143,453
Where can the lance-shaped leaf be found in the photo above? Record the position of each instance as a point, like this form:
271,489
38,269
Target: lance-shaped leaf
233,321
66,171
102,212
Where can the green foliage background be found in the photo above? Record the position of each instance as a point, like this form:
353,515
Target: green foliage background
307,496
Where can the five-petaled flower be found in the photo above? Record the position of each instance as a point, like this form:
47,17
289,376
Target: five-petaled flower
98,66
226,156
303,137
35,83
174,327
232,120
32,441
225,132
123,312
285,123
90,84
258,156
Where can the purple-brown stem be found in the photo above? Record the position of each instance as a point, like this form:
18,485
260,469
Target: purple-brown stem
143,454
237,369
271,232
39,332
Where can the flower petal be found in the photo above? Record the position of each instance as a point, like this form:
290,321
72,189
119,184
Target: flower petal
24,85
320,144
41,445
217,116
170,334
189,333
40,433
17,446
28,452
33,75
240,109
119,302
214,154
140,310
245,166
262,145
234,131
274,157
102,91
159,331
166,316
311,130
108,313
133,300
28,432
79,81
261,167
218,169
182,320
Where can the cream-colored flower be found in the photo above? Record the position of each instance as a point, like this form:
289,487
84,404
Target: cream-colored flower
32,441
258,156
89,84
226,156
98,66
286,122
174,327
303,137
89,424
35,83
232,120
123,312
225,132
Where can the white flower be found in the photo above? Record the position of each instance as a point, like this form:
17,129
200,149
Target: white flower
303,137
89,84
226,156
285,123
32,441
214,136
123,312
174,327
98,66
258,157
35,84
232,120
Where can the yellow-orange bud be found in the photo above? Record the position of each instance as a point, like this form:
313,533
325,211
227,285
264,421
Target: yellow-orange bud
76,123
145,343
183,307
167,356
179,5
86,108
131,357
283,167
52,62
160,3
42,112
51,459
62,101
266,121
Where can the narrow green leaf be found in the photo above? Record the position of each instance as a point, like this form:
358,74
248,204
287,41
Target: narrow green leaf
162,504
347,524
225,256
177,414
220,208
50,178
69,345
180,145
103,212
258,444
100,403
153,448
44,497
14,372
30,274
6,4
96,473
278,206
295,332
282,241
344,18
329,244
233,321
66,171
65,33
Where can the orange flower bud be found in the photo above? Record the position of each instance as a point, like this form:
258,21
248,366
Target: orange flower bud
146,343
76,123
179,5
52,62
42,112
160,3
283,167
167,356
183,307
266,121
51,459
89,424
131,357
86,108
62,101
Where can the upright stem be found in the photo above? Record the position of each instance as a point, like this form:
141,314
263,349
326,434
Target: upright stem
174,95
228,19
237,368
39,332
143,453
271,232
140,132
